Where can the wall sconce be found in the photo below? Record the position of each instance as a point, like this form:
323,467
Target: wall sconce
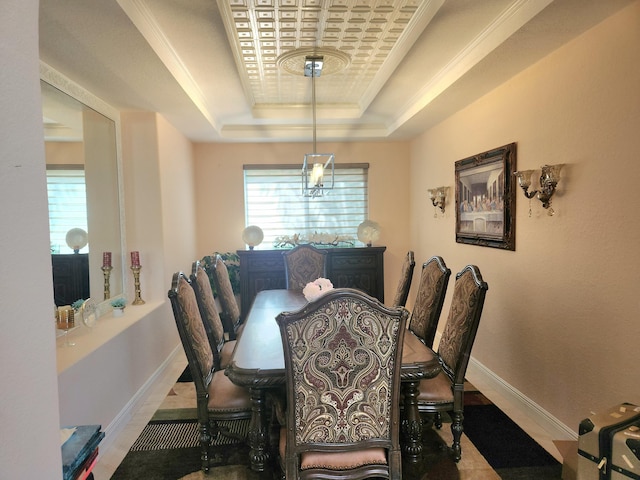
438,198
549,178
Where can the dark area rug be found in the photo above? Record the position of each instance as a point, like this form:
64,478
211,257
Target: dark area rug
508,449
185,376
158,464
169,460
173,464
167,449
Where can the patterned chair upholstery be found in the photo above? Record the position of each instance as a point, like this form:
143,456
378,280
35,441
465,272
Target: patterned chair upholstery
445,392
217,398
230,313
222,350
304,264
404,285
342,360
432,289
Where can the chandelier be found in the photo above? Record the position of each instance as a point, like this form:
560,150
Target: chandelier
317,168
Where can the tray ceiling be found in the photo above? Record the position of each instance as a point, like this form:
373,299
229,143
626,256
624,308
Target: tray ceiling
231,70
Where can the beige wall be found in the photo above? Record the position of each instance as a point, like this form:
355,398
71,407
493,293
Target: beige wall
220,197
30,438
160,225
160,213
560,323
64,153
178,203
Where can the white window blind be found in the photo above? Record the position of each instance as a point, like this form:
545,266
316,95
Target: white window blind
67,207
274,202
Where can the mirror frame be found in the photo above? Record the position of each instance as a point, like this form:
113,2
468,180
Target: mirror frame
69,87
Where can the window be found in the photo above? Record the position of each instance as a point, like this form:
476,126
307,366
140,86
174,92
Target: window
274,202
67,206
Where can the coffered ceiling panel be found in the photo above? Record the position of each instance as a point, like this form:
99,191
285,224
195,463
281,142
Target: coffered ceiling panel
361,43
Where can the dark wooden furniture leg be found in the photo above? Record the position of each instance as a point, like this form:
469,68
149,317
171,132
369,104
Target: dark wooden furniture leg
259,454
411,426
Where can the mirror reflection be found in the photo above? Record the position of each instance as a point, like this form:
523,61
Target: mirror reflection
82,186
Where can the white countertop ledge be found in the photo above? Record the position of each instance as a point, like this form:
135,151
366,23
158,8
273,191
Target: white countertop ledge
88,340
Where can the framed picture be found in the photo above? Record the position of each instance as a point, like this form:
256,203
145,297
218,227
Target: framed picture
485,199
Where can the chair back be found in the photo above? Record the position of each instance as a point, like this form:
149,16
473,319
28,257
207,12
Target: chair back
406,275
230,312
432,289
304,264
342,360
459,334
192,332
206,304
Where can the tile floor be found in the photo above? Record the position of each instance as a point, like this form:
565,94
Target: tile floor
472,466
111,457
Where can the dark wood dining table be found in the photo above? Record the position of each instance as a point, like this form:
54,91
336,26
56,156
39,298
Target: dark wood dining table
258,364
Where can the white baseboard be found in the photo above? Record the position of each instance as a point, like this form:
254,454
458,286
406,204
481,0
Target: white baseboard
506,397
121,420
487,381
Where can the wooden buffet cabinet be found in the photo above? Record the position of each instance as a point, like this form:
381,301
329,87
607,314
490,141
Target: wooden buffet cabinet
354,267
70,278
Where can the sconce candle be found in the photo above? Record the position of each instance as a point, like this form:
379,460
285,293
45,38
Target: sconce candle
135,259
106,259
317,174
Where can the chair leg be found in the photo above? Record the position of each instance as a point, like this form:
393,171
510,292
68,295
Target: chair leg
437,420
205,443
456,430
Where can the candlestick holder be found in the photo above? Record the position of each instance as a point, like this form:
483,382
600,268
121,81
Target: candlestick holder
106,271
136,278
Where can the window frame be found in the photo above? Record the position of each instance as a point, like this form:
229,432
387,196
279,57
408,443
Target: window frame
325,220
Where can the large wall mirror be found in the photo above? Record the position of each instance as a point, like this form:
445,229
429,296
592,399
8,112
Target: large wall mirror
85,213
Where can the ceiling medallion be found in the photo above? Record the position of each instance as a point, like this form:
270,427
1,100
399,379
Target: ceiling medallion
294,60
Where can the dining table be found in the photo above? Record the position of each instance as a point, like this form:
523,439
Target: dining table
257,363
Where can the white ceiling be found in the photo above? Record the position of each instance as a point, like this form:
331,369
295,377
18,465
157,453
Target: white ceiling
231,70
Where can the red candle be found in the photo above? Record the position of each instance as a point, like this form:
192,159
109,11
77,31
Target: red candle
106,259
135,259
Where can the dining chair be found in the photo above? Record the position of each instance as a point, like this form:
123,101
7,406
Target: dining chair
445,392
222,349
427,307
342,357
304,264
230,312
404,285
217,398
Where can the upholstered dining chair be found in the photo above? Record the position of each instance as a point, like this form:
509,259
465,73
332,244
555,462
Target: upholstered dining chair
343,356
304,264
404,285
217,398
445,392
432,289
230,312
222,349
